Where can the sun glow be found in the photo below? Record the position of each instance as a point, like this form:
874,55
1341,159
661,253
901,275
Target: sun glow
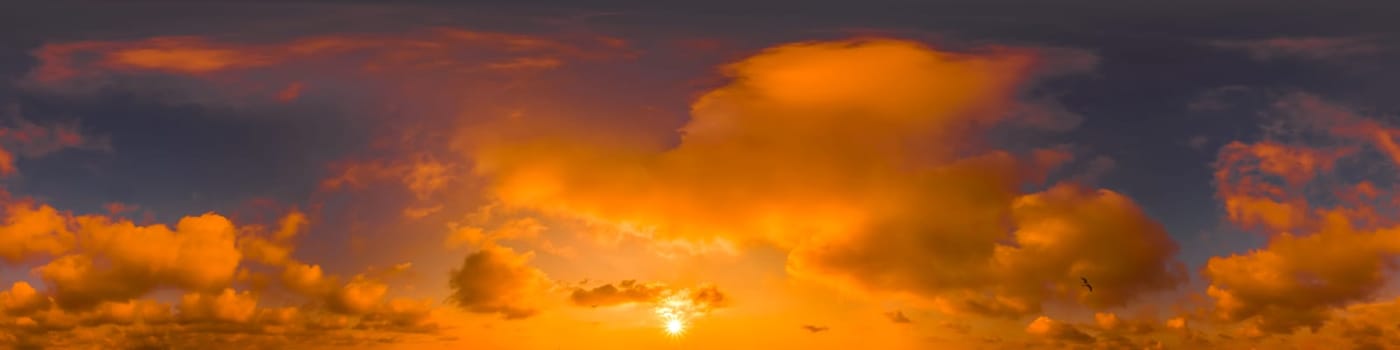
674,310
675,327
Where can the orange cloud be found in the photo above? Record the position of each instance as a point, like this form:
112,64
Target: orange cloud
497,280
275,250
898,317
32,230
1057,331
191,55
225,306
437,49
1255,181
1333,245
21,299
101,270
291,92
29,140
1296,280
100,283
701,299
897,195
488,225
422,175
121,260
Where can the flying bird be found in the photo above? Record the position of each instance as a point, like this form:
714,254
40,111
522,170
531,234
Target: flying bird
1086,284
814,329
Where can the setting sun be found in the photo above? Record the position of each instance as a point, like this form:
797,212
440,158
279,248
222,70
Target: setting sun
675,327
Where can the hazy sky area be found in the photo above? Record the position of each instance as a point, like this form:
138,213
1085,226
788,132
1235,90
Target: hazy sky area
699,175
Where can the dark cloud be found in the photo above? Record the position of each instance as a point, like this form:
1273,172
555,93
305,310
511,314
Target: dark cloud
628,291
897,317
500,281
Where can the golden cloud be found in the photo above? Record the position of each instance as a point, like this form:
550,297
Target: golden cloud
33,230
863,159
102,269
121,260
697,300
625,292
21,299
497,280
1330,244
225,306
1057,331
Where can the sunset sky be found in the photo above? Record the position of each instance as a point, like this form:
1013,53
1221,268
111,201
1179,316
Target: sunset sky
553,174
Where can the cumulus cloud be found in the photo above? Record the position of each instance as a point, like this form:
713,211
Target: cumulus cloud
100,270
21,299
1331,241
274,249
100,286
359,295
1109,322
900,194
122,260
226,319
32,230
225,306
1373,325
1058,331
497,280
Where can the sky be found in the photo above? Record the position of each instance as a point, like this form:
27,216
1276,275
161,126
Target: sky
552,174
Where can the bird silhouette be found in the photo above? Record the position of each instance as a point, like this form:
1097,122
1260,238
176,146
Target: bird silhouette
1086,284
814,329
